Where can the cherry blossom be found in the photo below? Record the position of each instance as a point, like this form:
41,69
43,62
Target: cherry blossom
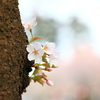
49,47
31,24
44,56
35,52
54,58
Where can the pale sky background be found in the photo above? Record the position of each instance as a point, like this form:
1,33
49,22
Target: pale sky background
88,12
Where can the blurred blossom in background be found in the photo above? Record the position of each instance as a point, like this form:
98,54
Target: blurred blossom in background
74,25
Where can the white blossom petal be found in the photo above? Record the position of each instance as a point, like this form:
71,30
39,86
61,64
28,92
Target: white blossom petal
35,24
54,58
33,21
38,59
51,45
30,48
31,56
37,45
41,52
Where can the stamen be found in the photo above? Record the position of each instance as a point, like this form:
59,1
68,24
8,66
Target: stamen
35,51
46,48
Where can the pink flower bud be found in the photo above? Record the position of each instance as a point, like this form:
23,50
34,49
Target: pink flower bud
49,82
49,69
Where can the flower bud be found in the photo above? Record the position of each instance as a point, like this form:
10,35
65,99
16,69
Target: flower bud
49,69
49,82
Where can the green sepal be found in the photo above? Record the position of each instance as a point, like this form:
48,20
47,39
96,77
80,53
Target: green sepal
46,65
53,66
38,77
35,71
41,82
38,64
34,39
44,58
44,55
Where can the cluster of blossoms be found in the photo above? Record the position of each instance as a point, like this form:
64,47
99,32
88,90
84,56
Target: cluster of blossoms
44,57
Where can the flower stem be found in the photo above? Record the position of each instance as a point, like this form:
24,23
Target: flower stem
31,33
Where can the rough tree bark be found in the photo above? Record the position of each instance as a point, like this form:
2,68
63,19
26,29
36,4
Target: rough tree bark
14,66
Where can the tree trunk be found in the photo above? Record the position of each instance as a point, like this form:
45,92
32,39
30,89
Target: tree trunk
14,66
